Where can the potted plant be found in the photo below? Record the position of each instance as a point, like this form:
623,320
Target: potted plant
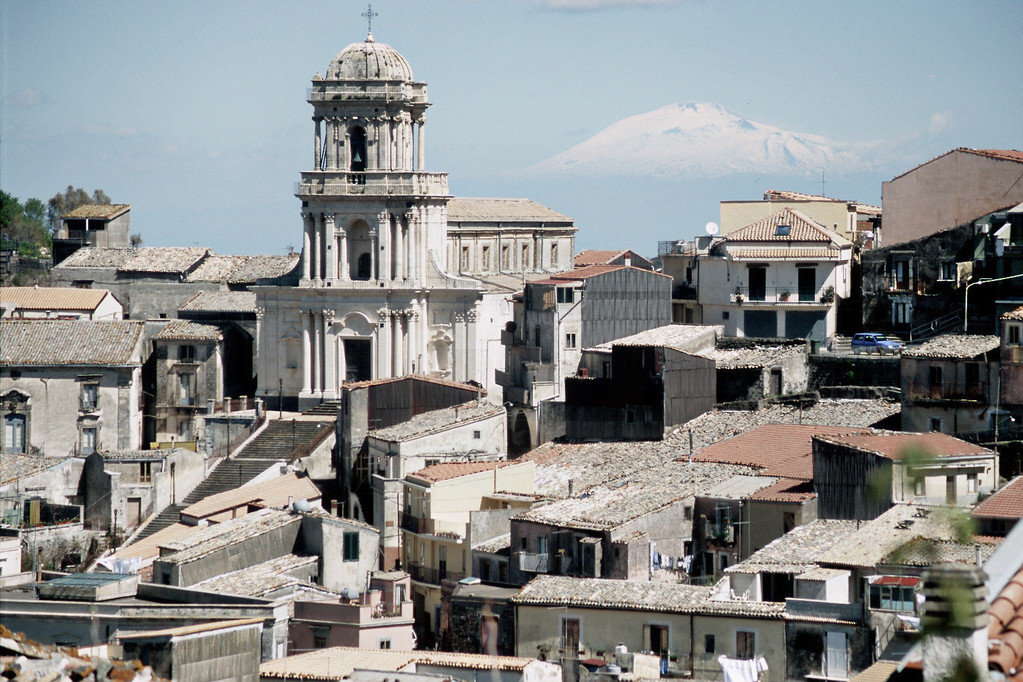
785,295
828,296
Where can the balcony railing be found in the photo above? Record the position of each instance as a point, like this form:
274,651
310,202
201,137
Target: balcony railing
530,562
948,390
387,183
412,523
433,576
784,295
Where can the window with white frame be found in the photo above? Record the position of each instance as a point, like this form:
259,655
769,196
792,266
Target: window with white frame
569,340
14,433
90,395
745,644
186,388
947,271
89,439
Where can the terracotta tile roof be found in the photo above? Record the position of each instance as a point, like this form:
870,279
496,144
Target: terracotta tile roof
878,672
70,342
953,346
414,378
186,330
628,595
893,445
1016,314
436,421
784,450
53,298
786,254
267,578
930,551
798,550
221,302
166,259
678,336
470,209
604,256
1005,630
801,229
243,269
579,274
105,211
751,358
14,467
785,490
448,470
1006,503
208,539
337,663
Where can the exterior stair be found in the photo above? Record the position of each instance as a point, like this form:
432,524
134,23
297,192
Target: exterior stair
284,439
325,409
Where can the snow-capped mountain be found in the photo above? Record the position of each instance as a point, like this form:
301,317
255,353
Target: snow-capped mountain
700,139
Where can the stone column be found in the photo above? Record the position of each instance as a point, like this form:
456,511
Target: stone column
331,243
396,345
458,351
414,351
331,135
384,343
399,248
330,381
307,353
317,369
421,161
384,252
314,255
317,144
471,348
374,238
307,255
342,254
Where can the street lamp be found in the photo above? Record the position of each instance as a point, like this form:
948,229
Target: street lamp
966,297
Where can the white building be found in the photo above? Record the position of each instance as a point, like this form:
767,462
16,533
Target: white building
70,387
780,277
375,298
62,303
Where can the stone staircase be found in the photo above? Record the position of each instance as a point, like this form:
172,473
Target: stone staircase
281,440
324,409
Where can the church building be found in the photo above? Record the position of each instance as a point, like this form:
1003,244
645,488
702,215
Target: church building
377,294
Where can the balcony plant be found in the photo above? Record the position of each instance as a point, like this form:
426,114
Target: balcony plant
828,295
785,295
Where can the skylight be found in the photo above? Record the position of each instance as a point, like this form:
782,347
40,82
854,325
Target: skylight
782,230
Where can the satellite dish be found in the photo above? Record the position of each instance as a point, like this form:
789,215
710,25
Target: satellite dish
712,228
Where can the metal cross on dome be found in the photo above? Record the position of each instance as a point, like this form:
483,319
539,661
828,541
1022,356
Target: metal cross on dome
369,14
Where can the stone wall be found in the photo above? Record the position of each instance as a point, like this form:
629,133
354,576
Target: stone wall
827,370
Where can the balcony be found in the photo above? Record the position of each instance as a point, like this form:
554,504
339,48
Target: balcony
779,296
948,390
371,183
432,576
412,523
530,562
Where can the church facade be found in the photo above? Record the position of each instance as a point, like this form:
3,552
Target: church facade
377,295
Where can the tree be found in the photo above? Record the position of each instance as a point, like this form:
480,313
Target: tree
23,225
71,199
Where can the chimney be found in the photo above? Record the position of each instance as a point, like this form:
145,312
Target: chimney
571,487
954,622
628,259
333,507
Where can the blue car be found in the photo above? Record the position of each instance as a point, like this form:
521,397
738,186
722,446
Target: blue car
871,342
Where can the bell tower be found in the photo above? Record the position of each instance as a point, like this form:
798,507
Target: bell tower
370,211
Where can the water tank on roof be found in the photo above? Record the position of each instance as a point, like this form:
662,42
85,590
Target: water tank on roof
302,506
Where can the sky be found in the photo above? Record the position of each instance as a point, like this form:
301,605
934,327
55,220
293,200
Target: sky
195,112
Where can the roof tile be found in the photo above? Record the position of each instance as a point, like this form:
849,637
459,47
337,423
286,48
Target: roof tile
70,342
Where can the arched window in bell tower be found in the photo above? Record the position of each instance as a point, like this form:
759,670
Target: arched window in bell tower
357,162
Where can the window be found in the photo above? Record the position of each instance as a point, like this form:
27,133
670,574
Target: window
570,636
782,230
384,644
919,486
935,375
486,258
89,440
950,489
525,257
186,353
935,424
464,265
900,313
948,271
687,513
708,644
541,544
656,639
745,644
505,258
724,315
724,561
554,255
145,472
891,597
569,340
350,547
476,435
566,295
971,483
1014,335
90,396
788,521
14,433
319,637
186,389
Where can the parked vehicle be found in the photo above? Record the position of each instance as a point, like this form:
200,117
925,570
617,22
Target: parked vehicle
870,342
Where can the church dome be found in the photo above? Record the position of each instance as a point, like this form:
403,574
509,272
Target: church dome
369,60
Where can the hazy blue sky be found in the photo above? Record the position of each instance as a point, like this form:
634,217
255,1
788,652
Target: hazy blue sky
194,112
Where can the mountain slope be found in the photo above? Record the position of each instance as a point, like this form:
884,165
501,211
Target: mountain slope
700,140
